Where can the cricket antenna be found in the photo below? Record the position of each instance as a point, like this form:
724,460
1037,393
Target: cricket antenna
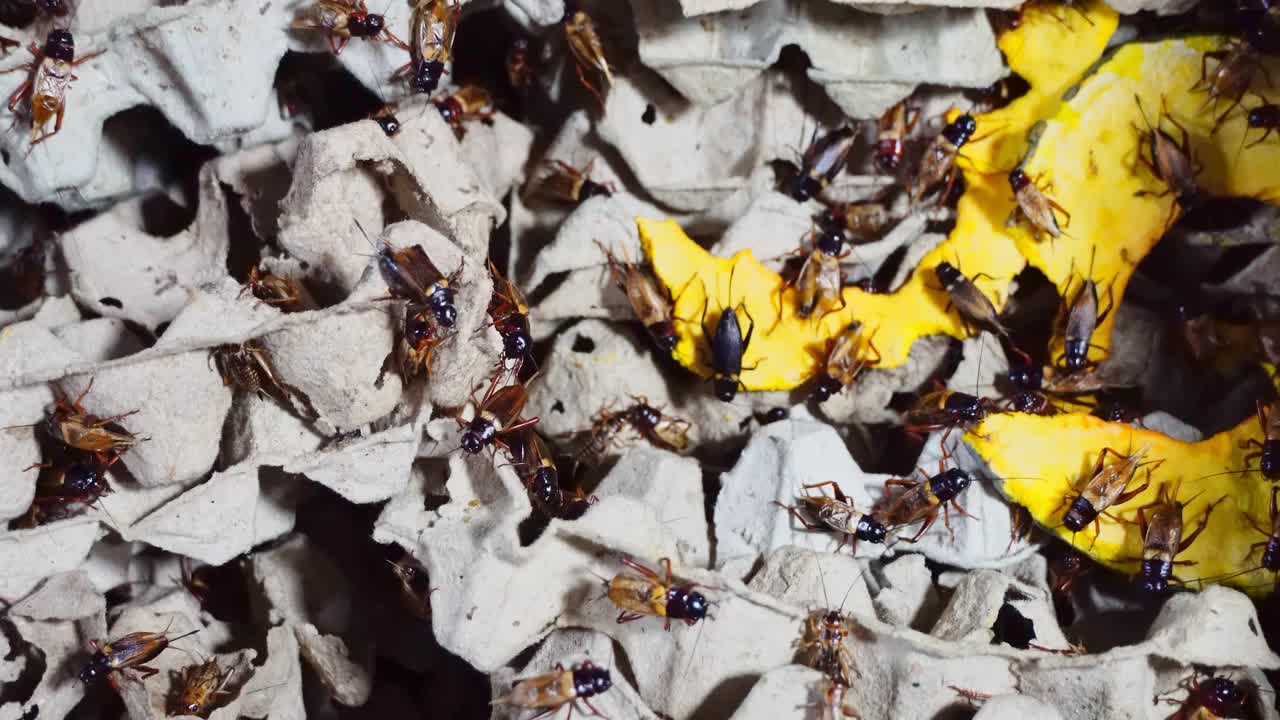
376,73
190,654
98,501
75,12
694,651
822,579
977,378
861,575
367,239
269,687
183,635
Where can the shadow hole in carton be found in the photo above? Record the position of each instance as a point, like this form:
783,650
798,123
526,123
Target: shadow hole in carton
792,58
882,278
100,700
17,14
756,567
245,247
1219,214
960,710
162,217
400,201
711,484
524,657
435,474
549,284
24,685
119,594
1035,297
1012,628
161,153
480,51
1233,260
723,698
532,527
143,335
317,85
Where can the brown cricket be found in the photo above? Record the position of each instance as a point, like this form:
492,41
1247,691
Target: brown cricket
588,51
650,303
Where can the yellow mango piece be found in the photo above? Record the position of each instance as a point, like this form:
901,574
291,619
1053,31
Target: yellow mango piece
1043,462
705,286
786,350
1052,48
1089,150
1078,141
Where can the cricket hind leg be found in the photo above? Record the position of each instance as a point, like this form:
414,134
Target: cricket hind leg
923,528
582,78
